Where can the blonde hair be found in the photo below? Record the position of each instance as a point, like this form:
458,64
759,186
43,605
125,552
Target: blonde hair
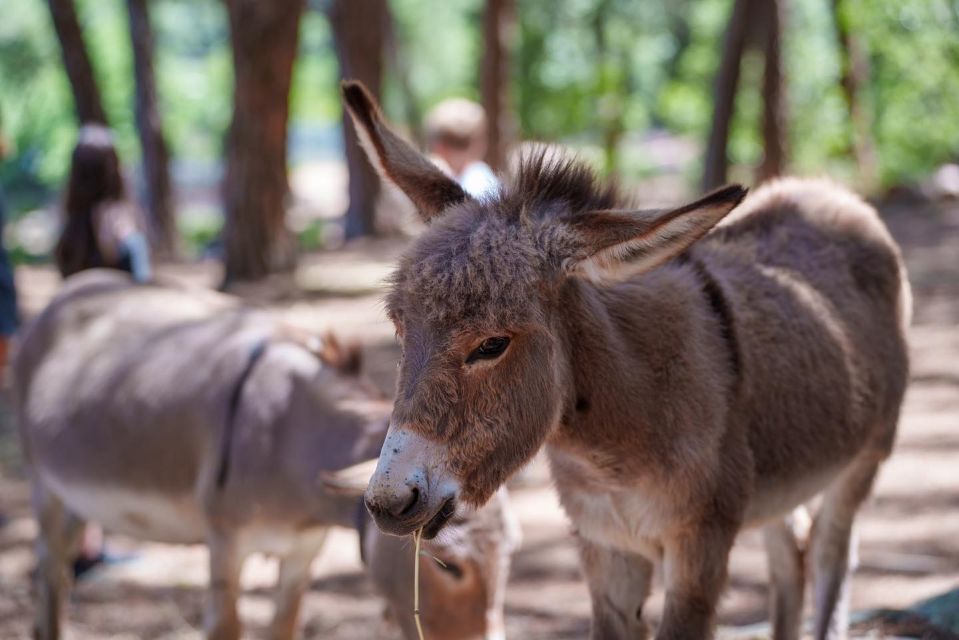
456,122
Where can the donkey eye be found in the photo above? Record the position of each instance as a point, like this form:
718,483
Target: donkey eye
490,348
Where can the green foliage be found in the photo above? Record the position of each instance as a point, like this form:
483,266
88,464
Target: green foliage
194,77
668,53
194,72
442,43
198,227
315,77
35,103
914,50
587,71
588,67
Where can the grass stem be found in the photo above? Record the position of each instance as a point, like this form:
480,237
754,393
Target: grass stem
417,537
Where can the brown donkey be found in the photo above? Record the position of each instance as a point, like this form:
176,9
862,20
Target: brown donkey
682,389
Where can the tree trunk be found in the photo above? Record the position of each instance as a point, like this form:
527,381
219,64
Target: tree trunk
264,40
854,65
360,29
155,157
499,26
775,132
716,163
86,93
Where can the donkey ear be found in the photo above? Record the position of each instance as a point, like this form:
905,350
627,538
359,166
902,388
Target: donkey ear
614,245
431,190
350,481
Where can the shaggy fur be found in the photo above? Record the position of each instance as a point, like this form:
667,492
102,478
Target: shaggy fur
132,399
682,389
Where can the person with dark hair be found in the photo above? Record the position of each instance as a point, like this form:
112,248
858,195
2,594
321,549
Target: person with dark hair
101,227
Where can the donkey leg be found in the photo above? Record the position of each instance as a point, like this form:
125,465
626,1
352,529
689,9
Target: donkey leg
785,550
56,542
694,569
222,620
833,548
619,584
293,581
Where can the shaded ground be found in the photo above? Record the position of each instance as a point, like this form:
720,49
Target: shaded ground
909,532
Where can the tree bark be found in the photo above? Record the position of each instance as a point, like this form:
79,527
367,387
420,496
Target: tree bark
264,40
854,66
716,164
499,27
86,93
775,131
360,31
155,156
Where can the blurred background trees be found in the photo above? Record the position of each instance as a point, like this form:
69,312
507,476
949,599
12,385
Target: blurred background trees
263,38
155,156
360,29
76,63
683,93
755,23
499,34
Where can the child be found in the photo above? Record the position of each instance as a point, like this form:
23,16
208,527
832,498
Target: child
456,135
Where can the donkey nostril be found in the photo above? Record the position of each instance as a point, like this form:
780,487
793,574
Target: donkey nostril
372,506
411,503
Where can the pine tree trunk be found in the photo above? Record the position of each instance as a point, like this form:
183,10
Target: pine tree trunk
854,65
360,30
716,164
775,132
264,38
155,156
86,93
499,25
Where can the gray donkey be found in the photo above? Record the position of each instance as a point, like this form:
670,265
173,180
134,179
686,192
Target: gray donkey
683,390
183,416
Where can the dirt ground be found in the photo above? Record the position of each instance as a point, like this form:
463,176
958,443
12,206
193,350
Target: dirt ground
909,531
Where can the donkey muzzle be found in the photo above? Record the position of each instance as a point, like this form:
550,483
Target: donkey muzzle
409,489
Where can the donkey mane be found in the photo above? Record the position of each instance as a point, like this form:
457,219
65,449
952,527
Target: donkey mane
547,174
481,249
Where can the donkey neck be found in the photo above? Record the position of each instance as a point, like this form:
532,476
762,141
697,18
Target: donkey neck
643,357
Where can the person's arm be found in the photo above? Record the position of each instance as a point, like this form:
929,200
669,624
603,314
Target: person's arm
134,245
120,239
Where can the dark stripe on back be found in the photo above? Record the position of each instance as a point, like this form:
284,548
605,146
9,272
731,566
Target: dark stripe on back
720,306
233,408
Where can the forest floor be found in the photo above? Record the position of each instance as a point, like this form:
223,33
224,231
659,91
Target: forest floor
909,530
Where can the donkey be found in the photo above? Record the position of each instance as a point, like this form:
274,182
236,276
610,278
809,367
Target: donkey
687,379
464,596
183,416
